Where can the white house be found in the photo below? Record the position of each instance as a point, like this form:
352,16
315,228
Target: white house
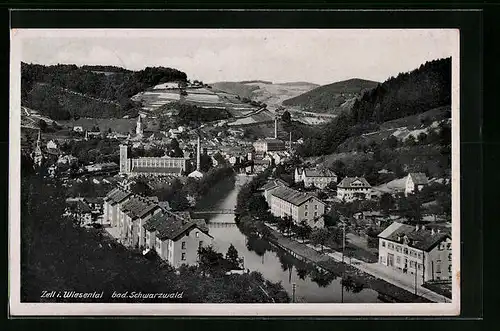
351,188
317,177
176,238
271,185
112,205
414,249
415,182
300,206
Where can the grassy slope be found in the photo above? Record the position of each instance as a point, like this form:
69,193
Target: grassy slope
327,98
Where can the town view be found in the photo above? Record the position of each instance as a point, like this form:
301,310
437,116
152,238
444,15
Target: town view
139,181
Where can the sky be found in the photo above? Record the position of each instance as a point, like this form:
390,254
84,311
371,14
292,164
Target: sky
287,55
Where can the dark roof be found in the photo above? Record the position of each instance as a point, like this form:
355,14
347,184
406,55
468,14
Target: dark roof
117,195
173,225
348,181
272,184
79,206
94,200
138,207
271,141
158,170
294,197
421,239
418,178
319,173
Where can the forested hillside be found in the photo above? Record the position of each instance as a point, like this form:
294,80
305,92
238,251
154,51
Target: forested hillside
91,82
328,98
407,94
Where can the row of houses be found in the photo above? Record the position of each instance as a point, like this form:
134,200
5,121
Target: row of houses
143,222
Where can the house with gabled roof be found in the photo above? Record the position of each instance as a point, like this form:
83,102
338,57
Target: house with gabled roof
319,178
131,218
422,251
415,182
300,206
176,237
271,185
112,204
351,188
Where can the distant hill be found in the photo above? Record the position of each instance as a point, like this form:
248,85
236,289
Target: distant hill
411,93
261,91
332,97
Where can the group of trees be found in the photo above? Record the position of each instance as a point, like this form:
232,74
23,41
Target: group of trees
192,115
92,150
64,87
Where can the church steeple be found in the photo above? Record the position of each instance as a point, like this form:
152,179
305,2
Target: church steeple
138,128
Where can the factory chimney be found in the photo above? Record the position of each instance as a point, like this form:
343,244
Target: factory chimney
198,155
276,127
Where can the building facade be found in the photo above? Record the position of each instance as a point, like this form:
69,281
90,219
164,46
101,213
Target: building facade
131,219
155,166
351,188
176,238
415,181
415,250
300,206
319,178
269,145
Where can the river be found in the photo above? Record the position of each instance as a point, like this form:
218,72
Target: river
274,264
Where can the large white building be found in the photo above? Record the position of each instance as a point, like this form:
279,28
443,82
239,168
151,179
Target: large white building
155,166
320,178
415,249
300,206
415,182
351,188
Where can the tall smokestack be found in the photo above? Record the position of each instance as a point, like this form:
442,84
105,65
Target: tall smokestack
290,142
276,127
198,155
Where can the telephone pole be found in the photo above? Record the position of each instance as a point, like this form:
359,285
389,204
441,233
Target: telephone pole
293,292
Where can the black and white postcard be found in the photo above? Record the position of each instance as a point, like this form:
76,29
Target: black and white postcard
255,172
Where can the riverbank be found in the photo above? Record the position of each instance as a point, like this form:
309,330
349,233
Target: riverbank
328,263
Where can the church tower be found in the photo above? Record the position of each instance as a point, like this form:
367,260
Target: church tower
139,128
37,154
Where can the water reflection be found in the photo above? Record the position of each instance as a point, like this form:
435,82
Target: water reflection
276,265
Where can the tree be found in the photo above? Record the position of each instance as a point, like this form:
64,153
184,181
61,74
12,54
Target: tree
257,206
284,224
386,202
410,208
303,230
42,125
286,117
205,162
211,261
232,257
175,150
319,237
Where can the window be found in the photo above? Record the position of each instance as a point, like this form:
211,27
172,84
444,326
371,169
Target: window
305,214
306,206
405,251
449,269
200,243
183,245
183,257
383,243
412,264
419,266
398,259
441,246
449,257
315,213
420,256
315,206
398,249
197,234
448,246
